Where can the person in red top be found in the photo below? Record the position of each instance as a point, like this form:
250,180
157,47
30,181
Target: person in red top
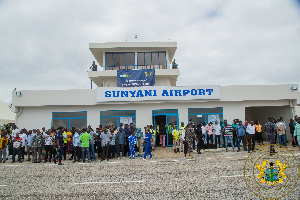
17,142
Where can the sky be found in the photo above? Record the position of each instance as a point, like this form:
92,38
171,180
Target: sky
44,45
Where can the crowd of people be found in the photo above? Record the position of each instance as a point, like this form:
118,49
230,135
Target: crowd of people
112,142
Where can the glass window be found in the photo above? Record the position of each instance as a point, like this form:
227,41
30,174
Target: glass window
155,60
116,59
108,59
162,60
78,123
205,110
130,59
140,59
147,59
68,114
109,121
60,122
122,59
117,113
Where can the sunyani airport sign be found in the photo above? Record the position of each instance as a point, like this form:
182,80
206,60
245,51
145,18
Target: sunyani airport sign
154,93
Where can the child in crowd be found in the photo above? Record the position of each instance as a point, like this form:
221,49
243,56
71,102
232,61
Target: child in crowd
132,143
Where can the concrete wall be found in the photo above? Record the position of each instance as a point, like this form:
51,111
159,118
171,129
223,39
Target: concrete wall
37,117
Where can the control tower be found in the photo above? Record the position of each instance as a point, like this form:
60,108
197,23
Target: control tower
113,56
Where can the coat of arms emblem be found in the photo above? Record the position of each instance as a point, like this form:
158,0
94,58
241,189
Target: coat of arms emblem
271,174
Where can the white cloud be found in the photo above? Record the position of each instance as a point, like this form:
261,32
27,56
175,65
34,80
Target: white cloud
44,44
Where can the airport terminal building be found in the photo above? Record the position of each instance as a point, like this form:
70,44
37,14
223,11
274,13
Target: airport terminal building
137,83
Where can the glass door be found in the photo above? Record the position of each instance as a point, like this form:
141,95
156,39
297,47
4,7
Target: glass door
171,120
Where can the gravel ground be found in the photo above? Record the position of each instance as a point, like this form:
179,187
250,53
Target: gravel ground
214,174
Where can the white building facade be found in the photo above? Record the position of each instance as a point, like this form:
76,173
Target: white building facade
164,103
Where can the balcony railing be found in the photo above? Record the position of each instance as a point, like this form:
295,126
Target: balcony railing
171,66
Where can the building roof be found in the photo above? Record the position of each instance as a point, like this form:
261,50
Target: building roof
97,49
6,116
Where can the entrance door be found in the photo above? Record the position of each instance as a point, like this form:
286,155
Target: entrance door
171,121
168,120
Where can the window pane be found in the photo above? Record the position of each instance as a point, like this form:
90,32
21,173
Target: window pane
116,59
117,113
68,114
108,59
147,58
155,60
122,59
60,122
109,121
140,59
130,59
78,123
162,60
204,110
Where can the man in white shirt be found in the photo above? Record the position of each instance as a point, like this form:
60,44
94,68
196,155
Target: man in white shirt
29,144
251,137
217,131
23,136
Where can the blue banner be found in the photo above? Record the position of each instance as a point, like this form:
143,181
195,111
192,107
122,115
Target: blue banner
136,78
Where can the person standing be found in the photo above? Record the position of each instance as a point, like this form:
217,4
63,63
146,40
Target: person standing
92,143
112,144
120,140
132,143
37,143
140,138
217,130
182,130
65,136
234,135
23,136
270,129
258,133
48,145
292,130
200,143
59,143
228,131
29,144
190,136
105,138
208,130
176,136
85,145
297,132
280,127
76,146
3,145
148,140
251,137
240,128
17,143
153,133
163,133
127,134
